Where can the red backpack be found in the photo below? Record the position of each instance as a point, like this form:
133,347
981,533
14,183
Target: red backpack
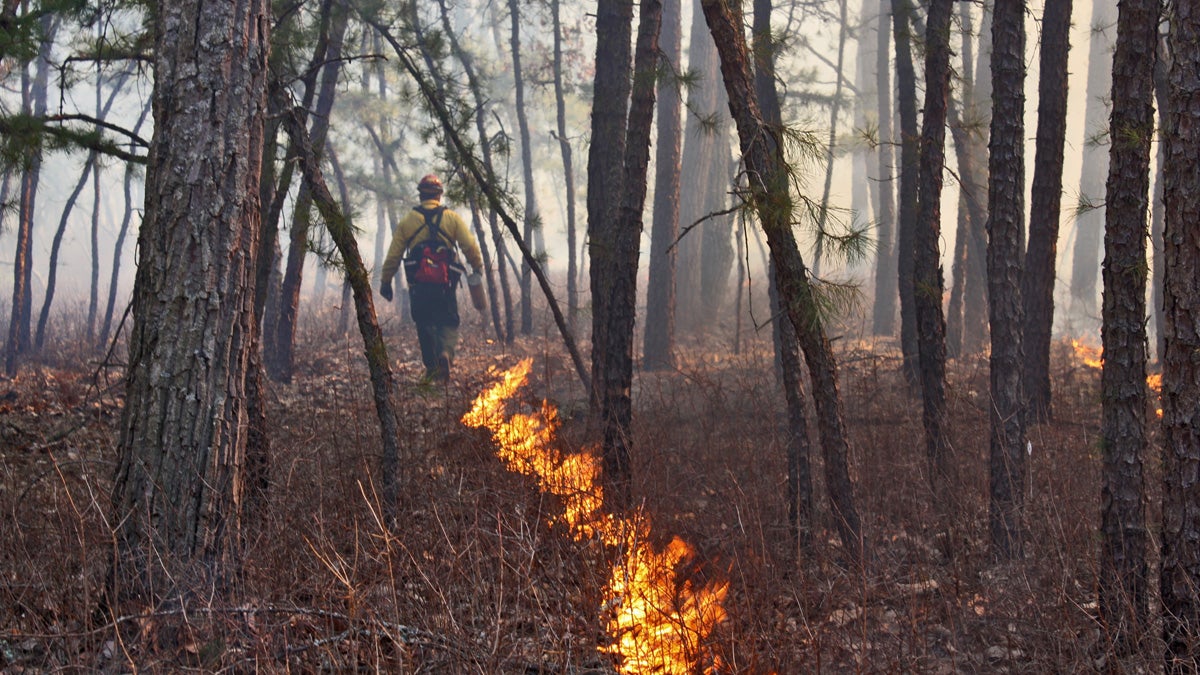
432,261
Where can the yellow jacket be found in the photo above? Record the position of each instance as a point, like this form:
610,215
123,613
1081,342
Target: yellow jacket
452,226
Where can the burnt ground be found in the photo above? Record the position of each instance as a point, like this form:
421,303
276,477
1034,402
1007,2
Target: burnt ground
475,578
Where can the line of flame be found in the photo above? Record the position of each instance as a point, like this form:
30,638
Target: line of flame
657,622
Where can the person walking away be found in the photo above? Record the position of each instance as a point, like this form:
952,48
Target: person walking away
425,242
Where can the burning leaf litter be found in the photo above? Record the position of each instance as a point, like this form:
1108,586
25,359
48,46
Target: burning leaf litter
658,622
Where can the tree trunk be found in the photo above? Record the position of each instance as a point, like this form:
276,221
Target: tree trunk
564,146
909,168
1158,207
977,120
927,270
1123,571
1006,218
280,362
179,478
835,109
1180,575
787,352
883,316
1089,219
33,102
768,192
1037,291
615,257
532,218
374,347
659,347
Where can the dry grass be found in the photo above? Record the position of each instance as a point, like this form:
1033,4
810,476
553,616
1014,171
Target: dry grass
474,579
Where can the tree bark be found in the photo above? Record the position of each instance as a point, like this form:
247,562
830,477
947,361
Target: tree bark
1006,209
564,146
659,347
280,361
1123,571
768,192
927,270
883,317
1037,291
532,220
179,481
1180,576
909,168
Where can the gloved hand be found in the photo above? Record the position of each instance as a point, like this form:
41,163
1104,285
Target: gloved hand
386,290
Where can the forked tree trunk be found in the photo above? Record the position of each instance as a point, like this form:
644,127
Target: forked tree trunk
1124,583
179,481
768,191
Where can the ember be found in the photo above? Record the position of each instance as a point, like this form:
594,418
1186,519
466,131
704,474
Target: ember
658,622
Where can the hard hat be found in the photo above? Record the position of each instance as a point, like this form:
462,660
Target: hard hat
430,184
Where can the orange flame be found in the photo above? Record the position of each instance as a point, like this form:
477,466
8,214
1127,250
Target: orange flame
1154,381
658,622
1092,357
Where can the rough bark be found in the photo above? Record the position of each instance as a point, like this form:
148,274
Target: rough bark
768,192
1006,209
1037,291
1123,584
179,482
927,270
659,347
617,262
1180,576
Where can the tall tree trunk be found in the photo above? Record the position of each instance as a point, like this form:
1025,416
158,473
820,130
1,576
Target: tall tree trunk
374,347
835,109
481,109
659,346
281,358
705,122
179,477
564,146
1123,572
33,102
927,270
883,316
1037,291
1180,575
532,218
1006,219
768,191
119,246
976,122
800,508
615,257
1158,207
909,168
1089,219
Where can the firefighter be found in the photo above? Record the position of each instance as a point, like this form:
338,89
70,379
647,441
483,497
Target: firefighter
425,241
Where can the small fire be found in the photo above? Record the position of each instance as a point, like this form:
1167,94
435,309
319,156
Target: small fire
1154,381
657,621
1092,357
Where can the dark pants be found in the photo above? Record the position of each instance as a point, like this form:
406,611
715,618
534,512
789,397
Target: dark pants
435,311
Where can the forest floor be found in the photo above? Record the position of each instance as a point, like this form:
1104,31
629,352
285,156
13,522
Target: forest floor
478,575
